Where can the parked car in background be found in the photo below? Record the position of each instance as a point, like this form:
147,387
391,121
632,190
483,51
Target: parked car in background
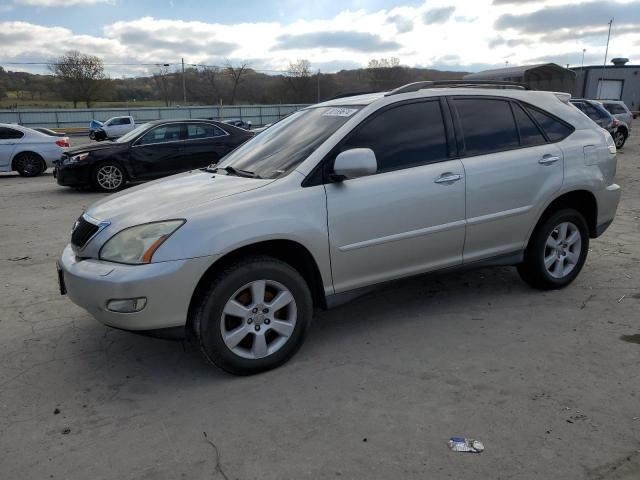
619,110
27,151
153,150
596,112
339,197
48,131
113,128
236,122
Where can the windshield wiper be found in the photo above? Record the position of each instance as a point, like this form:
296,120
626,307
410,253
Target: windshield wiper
238,173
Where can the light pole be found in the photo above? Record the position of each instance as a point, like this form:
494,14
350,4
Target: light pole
184,86
604,64
582,63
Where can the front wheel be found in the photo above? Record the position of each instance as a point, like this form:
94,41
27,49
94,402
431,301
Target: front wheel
254,315
108,177
619,139
557,251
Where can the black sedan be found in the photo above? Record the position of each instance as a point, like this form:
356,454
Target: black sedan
153,150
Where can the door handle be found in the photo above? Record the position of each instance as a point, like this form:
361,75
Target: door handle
448,178
548,159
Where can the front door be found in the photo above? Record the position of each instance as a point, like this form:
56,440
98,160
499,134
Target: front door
409,217
158,152
510,167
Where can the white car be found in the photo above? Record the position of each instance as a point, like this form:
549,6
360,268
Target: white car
28,151
115,127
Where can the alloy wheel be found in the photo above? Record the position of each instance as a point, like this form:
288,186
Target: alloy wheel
30,164
619,139
110,177
562,250
258,319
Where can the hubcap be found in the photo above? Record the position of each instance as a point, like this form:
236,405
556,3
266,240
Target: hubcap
562,250
619,139
109,177
258,319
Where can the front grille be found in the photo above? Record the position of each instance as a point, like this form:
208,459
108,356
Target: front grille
82,232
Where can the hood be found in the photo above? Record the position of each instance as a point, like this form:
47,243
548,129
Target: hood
94,147
169,197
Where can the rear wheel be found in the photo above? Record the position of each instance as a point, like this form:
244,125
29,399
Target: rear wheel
29,164
557,251
108,177
619,138
254,316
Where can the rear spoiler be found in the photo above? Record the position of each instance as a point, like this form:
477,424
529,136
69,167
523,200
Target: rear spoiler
563,97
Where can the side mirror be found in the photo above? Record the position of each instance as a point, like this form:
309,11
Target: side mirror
354,163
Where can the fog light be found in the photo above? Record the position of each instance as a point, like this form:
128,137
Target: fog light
127,305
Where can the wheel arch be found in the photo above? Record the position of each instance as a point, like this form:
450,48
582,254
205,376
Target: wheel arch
289,251
581,200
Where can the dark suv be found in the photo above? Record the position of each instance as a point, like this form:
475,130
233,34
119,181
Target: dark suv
596,112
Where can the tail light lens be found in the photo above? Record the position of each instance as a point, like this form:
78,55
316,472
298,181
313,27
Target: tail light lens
616,122
63,142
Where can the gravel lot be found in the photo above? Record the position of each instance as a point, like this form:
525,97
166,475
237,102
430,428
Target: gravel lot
550,382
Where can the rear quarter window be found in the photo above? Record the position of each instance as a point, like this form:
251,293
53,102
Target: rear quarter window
555,129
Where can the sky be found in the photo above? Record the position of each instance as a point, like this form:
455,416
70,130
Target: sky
133,36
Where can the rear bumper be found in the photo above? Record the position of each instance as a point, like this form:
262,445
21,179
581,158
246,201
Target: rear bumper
608,199
167,286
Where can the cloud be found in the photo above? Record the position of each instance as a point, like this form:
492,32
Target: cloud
438,15
402,24
359,41
61,3
508,42
571,16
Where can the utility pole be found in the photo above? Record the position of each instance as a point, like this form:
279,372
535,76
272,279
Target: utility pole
184,86
318,85
606,52
582,63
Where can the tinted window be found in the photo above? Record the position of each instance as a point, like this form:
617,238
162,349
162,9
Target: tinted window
284,145
403,136
202,130
165,133
615,108
10,134
554,129
487,125
530,134
125,121
592,112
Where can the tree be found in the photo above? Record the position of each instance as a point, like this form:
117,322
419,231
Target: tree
298,80
81,76
162,81
384,73
236,74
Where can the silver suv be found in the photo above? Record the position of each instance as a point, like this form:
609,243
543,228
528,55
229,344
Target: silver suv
337,198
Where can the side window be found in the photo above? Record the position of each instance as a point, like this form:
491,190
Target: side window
487,125
615,108
197,131
530,134
10,134
403,136
592,112
554,129
165,133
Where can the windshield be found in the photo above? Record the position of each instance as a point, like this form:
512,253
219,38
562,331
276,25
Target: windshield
283,146
127,137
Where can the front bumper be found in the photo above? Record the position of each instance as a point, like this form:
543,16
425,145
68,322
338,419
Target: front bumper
72,175
168,287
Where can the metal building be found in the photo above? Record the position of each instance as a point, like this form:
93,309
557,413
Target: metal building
543,76
615,82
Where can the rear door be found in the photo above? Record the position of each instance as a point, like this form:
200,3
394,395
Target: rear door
158,152
205,144
510,167
9,138
409,217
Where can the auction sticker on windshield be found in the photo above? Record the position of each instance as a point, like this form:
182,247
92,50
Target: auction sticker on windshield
339,112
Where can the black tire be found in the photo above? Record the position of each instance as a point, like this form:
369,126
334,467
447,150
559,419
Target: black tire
619,139
208,314
92,135
533,269
29,164
99,136
112,168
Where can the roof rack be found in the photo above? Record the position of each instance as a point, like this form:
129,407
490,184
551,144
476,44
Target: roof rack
351,94
414,87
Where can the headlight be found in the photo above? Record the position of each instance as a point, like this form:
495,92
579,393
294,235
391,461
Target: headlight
136,245
77,158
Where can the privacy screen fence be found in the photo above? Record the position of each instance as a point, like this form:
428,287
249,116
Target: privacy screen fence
258,115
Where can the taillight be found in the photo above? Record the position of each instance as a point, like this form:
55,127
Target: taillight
616,122
63,142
